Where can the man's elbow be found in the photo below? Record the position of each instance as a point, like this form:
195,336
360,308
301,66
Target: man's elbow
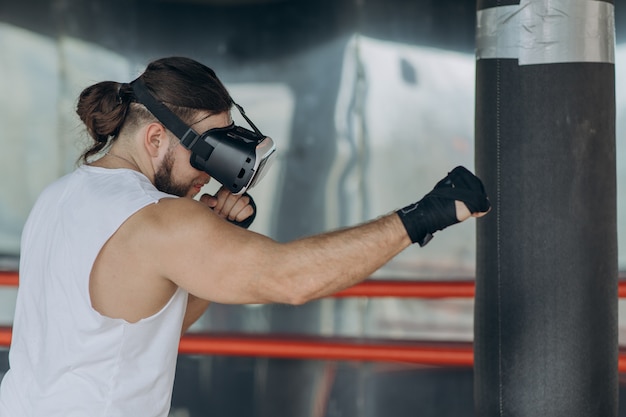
292,296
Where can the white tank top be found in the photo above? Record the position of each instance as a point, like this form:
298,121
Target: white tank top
66,359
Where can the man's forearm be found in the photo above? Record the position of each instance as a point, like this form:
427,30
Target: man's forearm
337,260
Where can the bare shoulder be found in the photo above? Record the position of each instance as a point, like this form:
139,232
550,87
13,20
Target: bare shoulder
190,246
127,279
176,222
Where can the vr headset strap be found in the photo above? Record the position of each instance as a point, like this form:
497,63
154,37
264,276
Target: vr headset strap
187,135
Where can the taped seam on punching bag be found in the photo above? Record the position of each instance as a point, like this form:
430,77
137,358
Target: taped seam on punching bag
579,31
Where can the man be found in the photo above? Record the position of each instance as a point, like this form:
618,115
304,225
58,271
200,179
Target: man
114,265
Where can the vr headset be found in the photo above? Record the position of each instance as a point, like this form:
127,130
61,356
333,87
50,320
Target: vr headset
236,157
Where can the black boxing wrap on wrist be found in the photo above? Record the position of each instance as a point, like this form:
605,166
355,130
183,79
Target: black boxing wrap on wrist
245,223
437,210
427,216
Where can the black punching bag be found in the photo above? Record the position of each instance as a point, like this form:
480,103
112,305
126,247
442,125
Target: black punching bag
545,320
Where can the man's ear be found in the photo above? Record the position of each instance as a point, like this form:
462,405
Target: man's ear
155,139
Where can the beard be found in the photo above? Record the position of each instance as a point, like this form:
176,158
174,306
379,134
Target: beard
163,178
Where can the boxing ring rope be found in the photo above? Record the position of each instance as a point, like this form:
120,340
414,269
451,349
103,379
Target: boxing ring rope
420,353
9,279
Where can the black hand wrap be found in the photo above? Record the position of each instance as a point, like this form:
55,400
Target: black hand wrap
248,221
437,210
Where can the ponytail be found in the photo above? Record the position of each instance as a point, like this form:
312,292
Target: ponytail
103,107
182,84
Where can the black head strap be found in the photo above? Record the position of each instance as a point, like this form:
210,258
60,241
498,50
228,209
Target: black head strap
186,134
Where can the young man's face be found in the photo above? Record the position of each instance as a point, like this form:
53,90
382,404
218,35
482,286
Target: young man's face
175,175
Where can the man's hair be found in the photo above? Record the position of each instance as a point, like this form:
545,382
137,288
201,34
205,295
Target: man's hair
182,84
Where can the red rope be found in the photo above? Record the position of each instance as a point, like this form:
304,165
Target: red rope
311,348
381,288
8,279
410,289
5,336
294,348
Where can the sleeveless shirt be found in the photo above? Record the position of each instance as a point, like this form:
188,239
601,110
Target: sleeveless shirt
66,359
